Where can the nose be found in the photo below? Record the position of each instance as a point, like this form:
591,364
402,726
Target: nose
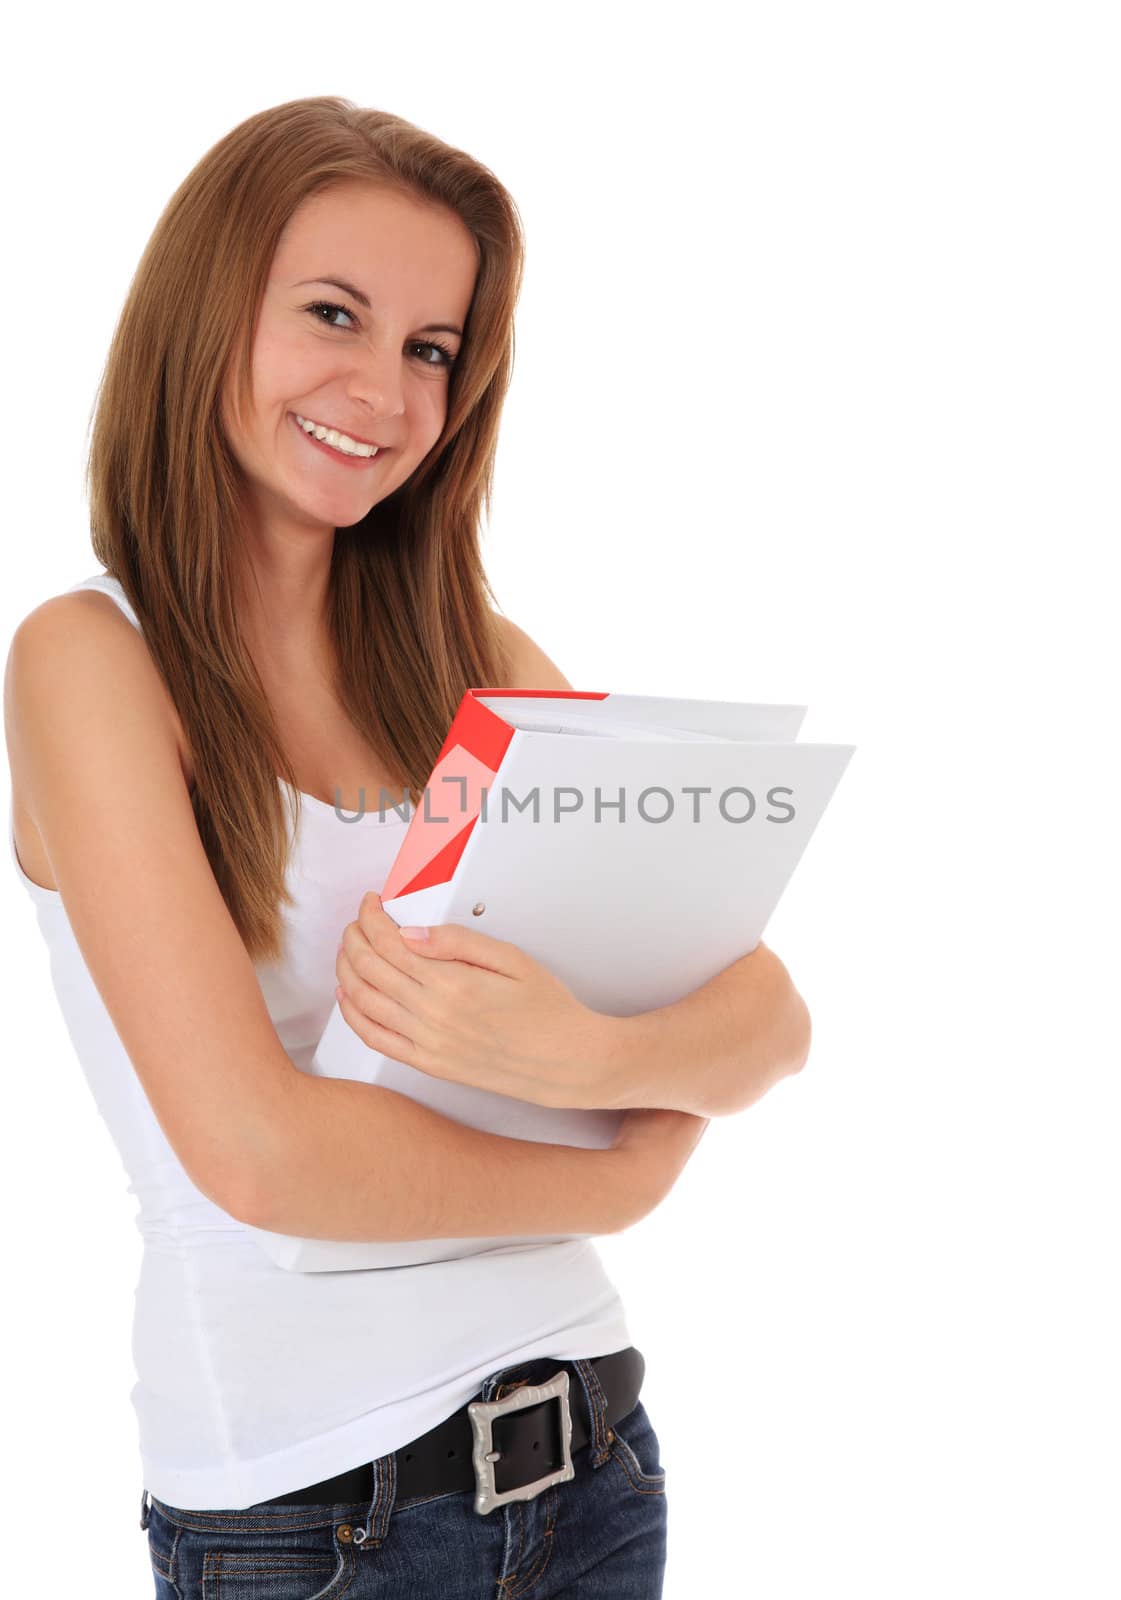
377,382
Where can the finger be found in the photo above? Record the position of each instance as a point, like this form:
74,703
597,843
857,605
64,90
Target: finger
382,934
372,914
447,941
375,1002
372,965
384,1040
385,935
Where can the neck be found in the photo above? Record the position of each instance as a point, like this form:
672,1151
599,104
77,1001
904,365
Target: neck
281,612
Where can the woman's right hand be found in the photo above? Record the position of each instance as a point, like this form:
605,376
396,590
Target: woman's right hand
654,1145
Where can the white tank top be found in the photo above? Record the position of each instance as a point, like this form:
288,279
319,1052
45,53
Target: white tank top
251,1380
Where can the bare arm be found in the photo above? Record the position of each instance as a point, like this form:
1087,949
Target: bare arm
362,1162
739,1034
92,747
90,742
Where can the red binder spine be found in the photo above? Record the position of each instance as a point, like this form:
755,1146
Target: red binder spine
469,758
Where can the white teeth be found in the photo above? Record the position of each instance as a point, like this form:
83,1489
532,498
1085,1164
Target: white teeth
342,442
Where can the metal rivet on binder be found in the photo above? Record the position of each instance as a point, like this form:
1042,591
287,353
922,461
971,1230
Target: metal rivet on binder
478,908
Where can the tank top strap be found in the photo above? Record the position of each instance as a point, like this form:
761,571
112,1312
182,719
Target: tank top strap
112,587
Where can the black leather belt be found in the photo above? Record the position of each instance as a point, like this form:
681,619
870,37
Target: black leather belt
509,1448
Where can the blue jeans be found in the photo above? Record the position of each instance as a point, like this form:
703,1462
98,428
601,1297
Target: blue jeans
600,1536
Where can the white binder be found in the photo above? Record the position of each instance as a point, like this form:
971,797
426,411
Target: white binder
635,846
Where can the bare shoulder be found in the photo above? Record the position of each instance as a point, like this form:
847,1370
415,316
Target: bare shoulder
82,632
530,667
84,627
72,660
77,606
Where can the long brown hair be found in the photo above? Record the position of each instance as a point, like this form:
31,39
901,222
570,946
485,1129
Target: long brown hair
409,606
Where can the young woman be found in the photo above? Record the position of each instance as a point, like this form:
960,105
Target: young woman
294,441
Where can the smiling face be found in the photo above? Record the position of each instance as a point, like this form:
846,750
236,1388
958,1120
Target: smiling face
378,371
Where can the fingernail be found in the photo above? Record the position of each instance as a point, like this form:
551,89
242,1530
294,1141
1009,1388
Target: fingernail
414,933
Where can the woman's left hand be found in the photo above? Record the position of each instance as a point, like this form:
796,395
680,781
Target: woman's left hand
467,1008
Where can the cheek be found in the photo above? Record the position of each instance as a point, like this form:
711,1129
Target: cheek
286,369
430,409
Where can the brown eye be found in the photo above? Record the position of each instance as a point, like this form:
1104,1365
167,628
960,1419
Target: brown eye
328,305
448,356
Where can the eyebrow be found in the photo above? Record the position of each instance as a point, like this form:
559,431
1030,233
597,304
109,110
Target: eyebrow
363,300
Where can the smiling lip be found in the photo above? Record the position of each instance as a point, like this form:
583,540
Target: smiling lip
357,437
338,455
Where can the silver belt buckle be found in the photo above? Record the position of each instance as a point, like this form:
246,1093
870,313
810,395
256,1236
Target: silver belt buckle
484,1455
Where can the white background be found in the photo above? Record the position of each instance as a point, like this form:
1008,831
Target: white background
816,401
